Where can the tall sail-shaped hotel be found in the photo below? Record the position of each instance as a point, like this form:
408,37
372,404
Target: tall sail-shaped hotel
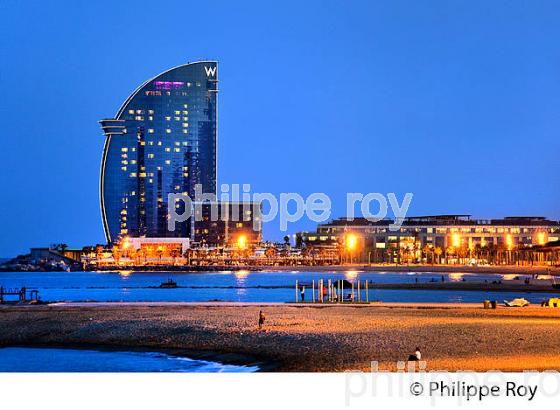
162,140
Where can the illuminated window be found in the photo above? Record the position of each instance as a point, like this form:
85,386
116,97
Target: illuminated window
177,112
150,111
151,118
124,149
150,130
168,131
150,156
185,118
167,118
167,149
131,111
177,143
185,105
185,131
139,112
159,143
185,124
177,118
185,113
177,149
167,162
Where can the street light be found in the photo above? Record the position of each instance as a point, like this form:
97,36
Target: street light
456,240
242,242
351,242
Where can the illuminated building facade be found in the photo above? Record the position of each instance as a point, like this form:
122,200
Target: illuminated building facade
162,140
230,222
453,237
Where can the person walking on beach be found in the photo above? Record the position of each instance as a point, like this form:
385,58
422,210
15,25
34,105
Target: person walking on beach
302,293
261,319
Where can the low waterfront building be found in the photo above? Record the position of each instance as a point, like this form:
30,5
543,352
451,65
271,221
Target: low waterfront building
438,239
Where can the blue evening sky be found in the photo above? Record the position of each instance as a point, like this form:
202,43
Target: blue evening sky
457,102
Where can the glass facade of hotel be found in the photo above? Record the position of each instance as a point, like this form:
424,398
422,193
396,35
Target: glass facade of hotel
162,141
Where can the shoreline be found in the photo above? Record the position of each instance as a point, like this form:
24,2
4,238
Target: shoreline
301,337
236,359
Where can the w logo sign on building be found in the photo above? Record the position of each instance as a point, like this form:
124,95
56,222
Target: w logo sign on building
210,71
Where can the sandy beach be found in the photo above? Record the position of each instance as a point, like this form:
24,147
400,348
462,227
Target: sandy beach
301,337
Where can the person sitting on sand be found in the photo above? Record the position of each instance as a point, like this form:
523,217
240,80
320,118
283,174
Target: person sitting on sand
261,319
416,357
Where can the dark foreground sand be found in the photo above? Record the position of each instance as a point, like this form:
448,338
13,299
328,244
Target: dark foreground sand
303,337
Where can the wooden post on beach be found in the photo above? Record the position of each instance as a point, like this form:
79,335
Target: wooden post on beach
367,293
313,290
359,296
337,289
352,297
342,289
297,291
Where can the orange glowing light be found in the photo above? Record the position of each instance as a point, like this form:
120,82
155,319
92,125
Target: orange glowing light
242,242
456,240
541,239
126,243
509,241
351,241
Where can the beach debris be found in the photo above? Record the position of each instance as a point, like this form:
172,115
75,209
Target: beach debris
551,302
517,302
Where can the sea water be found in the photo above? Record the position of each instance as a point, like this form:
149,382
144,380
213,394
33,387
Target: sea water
32,359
